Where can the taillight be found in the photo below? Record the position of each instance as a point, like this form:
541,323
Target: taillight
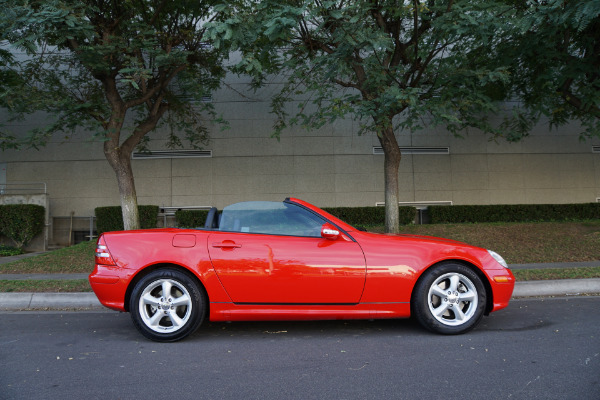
103,256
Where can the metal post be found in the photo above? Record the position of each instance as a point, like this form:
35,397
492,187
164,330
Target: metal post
91,227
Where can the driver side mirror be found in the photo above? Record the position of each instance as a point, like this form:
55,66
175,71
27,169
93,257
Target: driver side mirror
330,232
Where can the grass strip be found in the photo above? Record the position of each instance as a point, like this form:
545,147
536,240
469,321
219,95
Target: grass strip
41,286
74,259
518,243
524,243
82,285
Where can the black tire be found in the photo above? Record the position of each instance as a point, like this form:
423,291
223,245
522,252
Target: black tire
171,317
449,298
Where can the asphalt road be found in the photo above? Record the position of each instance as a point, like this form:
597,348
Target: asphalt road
535,349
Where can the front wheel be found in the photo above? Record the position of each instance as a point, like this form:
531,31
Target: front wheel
449,299
167,305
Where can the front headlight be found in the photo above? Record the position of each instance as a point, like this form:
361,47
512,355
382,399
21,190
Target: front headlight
498,258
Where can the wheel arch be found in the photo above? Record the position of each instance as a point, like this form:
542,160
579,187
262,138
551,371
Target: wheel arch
484,279
150,268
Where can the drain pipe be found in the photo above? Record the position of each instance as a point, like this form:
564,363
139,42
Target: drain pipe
71,229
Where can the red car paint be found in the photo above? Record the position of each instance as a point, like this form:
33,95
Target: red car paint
248,276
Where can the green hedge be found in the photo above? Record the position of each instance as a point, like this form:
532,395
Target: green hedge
369,216
21,222
190,218
7,251
514,213
111,218
359,216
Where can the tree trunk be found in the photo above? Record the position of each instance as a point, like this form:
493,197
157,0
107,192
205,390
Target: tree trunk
392,156
121,164
129,204
120,161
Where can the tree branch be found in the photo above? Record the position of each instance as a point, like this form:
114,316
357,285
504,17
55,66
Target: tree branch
152,91
573,100
143,128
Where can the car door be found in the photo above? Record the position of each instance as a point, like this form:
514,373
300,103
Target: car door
279,268
257,268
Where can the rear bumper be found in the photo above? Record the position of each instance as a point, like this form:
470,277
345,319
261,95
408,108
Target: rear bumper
109,286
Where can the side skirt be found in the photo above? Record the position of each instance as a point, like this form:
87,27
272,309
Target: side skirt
224,311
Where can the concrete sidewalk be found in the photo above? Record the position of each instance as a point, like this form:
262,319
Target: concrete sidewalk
562,287
42,277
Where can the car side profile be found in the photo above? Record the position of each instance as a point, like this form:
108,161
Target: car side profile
292,261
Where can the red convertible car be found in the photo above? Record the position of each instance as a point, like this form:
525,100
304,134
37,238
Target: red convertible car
292,261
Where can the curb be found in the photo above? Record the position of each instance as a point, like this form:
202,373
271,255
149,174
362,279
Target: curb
563,287
25,301
54,301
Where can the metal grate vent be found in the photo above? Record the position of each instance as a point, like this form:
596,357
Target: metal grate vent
206,98
595,149
418,204
172,154
416,150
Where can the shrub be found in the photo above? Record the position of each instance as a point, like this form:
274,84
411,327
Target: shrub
190,218
111,218
7,251
407,215
514,213
369,216
21,222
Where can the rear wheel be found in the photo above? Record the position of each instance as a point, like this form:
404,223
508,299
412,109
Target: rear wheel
449,299
167,305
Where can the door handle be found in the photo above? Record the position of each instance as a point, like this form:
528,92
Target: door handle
227,244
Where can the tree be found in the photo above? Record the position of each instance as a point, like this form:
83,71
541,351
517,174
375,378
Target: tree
394,65
117,69
555,69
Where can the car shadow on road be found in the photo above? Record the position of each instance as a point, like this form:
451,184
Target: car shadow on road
304,329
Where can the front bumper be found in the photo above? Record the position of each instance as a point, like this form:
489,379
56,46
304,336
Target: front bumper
502,282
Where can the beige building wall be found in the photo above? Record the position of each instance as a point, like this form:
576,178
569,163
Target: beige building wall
329,167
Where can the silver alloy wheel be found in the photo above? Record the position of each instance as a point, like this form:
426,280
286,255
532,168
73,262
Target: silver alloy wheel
452,299
165,306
